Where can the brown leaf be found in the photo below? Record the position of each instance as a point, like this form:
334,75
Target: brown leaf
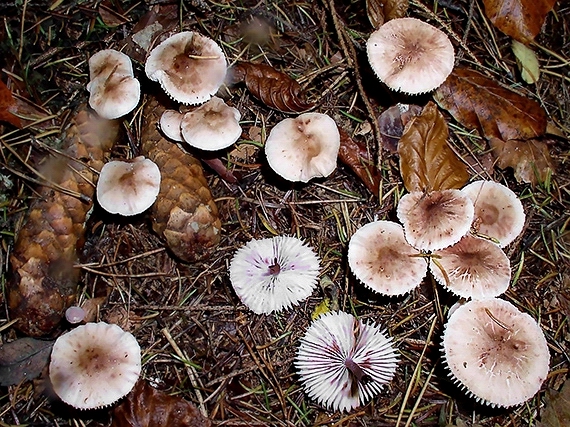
23,359
355,155
520,19
7,103
530,159
275,89
146,406
380,11
111,14
557,412
478,102
391,124
427,163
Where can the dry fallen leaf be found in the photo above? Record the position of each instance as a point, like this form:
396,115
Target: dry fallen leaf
356,157
427,163
520,19
7,104
275,89
23,359
527,62
391,124
380,11
557,412
146,406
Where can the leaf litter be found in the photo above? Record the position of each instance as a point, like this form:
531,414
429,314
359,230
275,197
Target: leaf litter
236,365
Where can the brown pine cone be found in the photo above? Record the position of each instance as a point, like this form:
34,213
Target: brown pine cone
44,279
185,213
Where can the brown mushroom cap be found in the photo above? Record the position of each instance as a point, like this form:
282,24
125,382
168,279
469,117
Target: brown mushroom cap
499,213
94,365
128,188
410,55
190,67
304,147
113,89
382,259
436,219
497,353
472,268
212,126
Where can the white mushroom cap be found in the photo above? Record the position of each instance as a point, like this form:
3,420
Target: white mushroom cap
304,147
212,126
382,259
128,188
499,213
410,55
472,268
113,89
190,67
274,273
170,122
497,353
344,362
94,365
436,219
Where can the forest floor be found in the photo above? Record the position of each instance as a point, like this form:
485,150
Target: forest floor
243,362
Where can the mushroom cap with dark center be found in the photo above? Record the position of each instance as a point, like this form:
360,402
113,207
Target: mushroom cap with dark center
499,213
382,259
436,219
190,67
497,353
472,268
410,55
305,147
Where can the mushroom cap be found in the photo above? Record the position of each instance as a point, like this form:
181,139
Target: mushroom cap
499,213
304,147
497,353
128,188
274,273
435,220
170,122
113,91
212,126
474,268
410,55
94,365
190,67
382,259
344,362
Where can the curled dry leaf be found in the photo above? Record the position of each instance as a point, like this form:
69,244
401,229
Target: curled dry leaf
380,11
520,19
7,104
275,89
427,163
146,406
392,122
23,360
355,155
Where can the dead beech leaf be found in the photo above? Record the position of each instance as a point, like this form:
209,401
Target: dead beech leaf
7,104
23,359
520,19
380,11
478,102
427,163
275,89
530,159
391,124
146,406
356,157
557,411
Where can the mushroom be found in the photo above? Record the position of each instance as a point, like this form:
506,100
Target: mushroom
436,219
94,365
498,354
128,188
304,147
499,213
274,273
382,259
190,67
410,55
344,362
472,268
212,126
170,122
113,89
